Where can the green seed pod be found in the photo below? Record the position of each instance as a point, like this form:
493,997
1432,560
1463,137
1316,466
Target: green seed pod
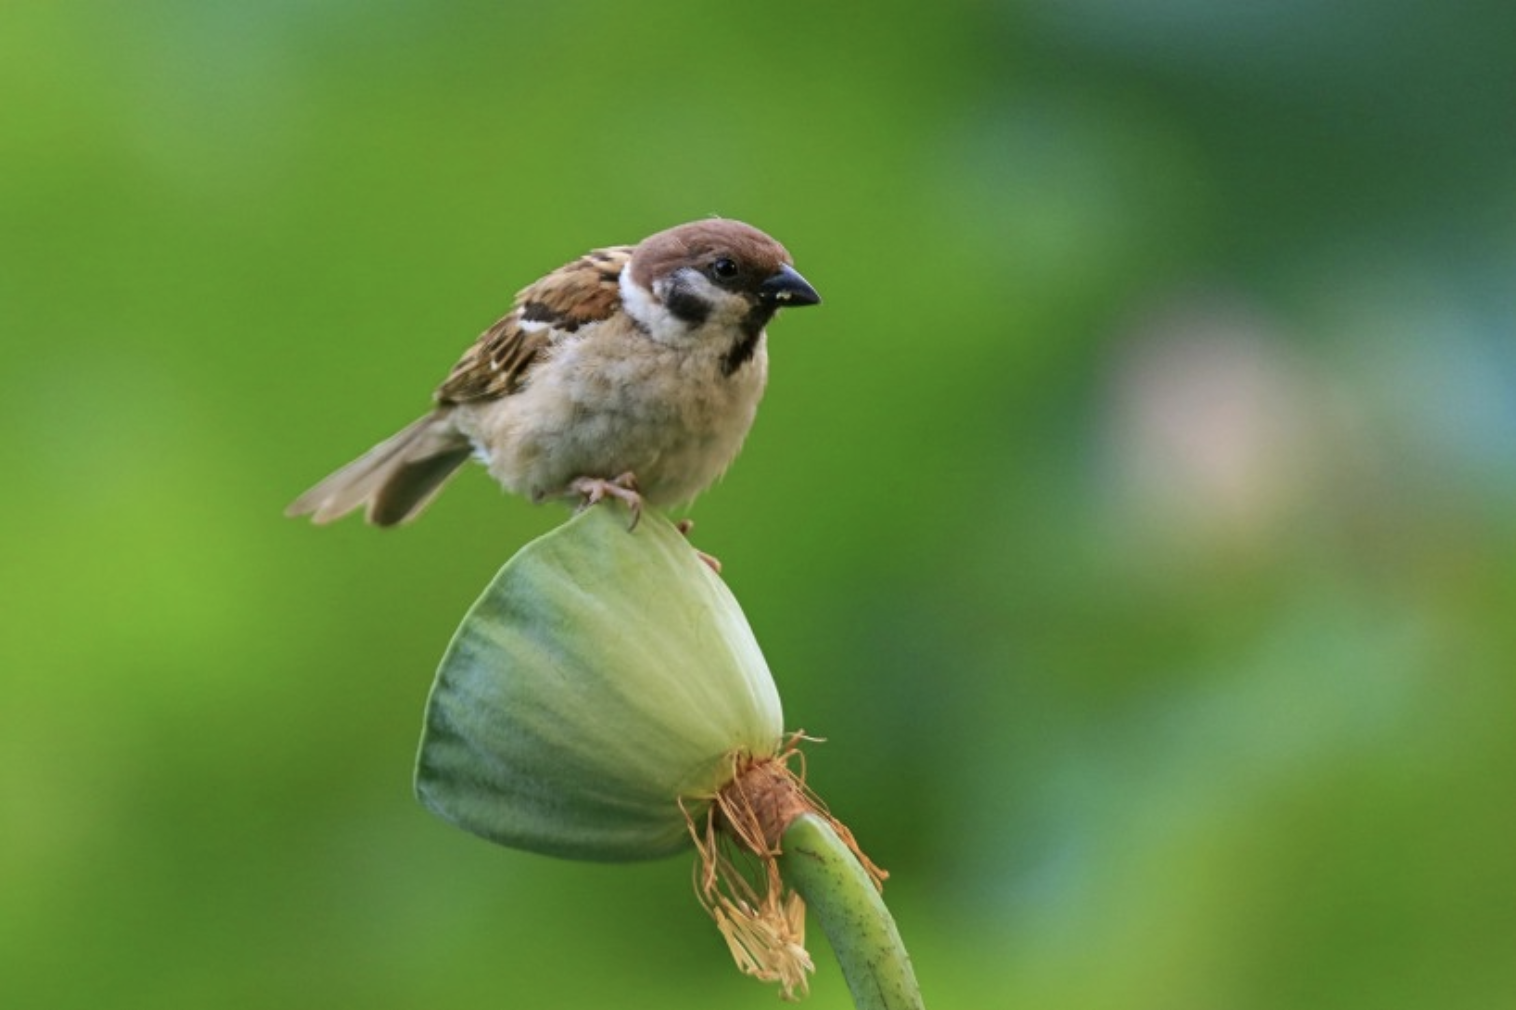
604,676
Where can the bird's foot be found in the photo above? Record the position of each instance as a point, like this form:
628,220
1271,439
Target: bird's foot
624,489
684,526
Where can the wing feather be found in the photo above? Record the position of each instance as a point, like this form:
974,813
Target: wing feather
500,361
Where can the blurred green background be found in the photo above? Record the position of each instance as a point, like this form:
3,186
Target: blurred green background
1135,519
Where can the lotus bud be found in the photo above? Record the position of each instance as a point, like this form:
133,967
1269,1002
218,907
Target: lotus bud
603,677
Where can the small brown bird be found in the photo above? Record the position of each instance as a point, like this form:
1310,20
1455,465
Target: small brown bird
633,372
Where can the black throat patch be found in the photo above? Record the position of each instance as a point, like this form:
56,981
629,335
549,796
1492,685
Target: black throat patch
742,351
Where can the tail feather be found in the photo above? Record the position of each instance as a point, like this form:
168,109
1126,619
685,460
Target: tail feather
395,479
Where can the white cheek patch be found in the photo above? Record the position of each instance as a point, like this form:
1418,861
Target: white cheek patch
701,284
663,314
638,302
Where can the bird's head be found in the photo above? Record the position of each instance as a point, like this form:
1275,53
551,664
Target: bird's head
715,275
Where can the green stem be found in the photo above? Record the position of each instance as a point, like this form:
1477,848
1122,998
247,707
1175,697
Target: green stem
818,865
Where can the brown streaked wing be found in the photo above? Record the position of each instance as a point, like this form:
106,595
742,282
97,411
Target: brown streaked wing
585,291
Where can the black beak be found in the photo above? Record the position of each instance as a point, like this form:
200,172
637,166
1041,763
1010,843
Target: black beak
787,288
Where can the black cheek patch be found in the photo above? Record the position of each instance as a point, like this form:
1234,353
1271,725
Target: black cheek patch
687,306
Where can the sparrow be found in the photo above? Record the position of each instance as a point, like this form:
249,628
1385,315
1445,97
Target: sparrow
633,372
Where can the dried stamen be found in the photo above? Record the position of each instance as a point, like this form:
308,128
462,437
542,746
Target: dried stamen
762,921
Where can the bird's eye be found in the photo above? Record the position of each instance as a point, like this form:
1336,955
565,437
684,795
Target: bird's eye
724,269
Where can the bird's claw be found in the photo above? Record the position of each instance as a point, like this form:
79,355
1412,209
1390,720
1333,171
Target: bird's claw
623,488
711,561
